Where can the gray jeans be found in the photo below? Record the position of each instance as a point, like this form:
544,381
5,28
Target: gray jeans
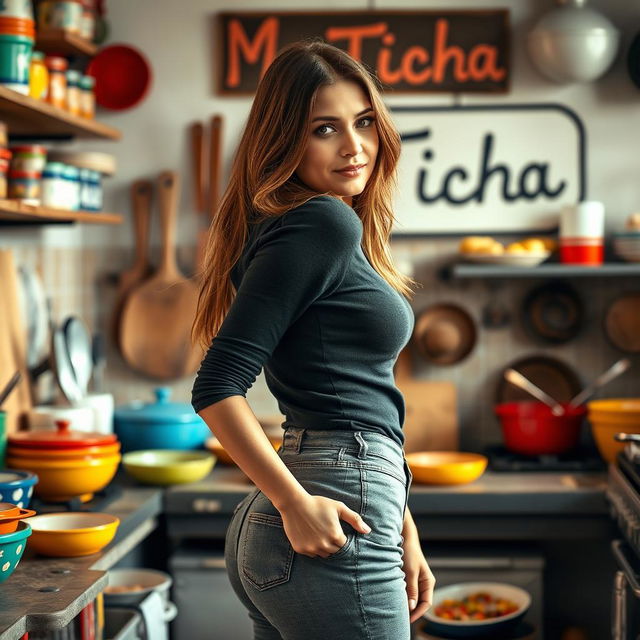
357,593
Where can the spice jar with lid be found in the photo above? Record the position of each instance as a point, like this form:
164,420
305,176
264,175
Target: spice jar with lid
87,97
57,94
38,76
73,92
72,178
54,186
25,186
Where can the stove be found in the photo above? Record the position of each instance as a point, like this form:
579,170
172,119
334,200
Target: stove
101,499
578,459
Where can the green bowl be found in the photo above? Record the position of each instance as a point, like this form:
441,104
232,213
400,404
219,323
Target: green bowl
168,466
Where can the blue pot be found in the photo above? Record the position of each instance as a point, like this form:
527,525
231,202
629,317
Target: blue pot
159,425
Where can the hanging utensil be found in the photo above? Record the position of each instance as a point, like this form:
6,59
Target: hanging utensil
199,168
517,379
612,372
62,367
79,349
99,362
9,387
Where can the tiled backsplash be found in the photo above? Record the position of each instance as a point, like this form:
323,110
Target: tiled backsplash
81,281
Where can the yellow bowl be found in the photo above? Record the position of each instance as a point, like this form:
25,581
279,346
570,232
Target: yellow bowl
446,467
168,466
61,480
71,534
610,416
214,445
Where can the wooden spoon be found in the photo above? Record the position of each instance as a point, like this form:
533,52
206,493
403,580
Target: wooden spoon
141,191
157,316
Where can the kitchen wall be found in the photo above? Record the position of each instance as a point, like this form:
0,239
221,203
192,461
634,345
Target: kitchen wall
79,263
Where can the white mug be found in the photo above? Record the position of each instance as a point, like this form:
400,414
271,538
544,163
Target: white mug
582,220
44,417
102,405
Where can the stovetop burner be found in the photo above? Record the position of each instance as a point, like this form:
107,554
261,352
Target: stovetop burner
578,459
630,469
101,499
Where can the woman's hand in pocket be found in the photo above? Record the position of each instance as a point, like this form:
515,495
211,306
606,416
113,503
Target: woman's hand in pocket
312,524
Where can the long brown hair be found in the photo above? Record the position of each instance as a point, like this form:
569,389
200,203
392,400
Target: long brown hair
263,181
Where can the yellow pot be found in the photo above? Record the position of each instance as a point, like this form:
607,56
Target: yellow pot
446,467
167,466
71,534
61,480
610,416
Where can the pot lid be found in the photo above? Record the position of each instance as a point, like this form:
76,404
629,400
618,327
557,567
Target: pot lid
62,438
161,412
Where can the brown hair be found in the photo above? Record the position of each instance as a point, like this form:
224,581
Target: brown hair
263,181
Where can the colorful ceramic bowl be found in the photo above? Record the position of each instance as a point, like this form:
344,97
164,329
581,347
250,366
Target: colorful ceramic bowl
12,547
62,480
17,486
165,467
10,516
446,467
610,416
71,534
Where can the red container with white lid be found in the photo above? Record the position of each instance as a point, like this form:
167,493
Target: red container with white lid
582,233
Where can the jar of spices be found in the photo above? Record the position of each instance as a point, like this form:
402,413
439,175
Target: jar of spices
87,97
57,94
95,180
5,157
72,178
88,20
38,76
29,157
73,92
25,186
54,186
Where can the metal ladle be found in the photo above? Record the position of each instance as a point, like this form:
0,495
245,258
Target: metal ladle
612,372
517,379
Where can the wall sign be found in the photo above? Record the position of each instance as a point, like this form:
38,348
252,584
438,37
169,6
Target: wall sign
410,51
487,168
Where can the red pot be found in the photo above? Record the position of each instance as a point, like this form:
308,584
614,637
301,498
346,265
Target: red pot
529,428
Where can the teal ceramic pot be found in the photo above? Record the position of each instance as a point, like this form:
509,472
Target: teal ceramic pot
15,57
159,425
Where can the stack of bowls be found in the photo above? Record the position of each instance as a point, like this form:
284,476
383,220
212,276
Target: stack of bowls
12,547
69,463
610,416
17,35
17,487
626,244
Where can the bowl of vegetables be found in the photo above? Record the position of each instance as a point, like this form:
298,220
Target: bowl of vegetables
476,609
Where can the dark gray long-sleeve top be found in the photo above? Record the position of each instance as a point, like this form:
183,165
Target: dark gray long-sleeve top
326,327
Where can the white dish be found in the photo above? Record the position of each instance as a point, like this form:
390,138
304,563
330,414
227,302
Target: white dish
507,259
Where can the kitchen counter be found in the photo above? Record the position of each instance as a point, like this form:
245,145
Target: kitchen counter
47,593
497,506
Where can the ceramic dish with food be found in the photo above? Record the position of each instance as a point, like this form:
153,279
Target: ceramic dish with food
166,467
508,259
71,534
476,609
446,467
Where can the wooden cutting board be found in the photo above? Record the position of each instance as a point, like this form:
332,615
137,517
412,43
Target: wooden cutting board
431,417
13,345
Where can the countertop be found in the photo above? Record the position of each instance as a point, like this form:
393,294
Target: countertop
26,601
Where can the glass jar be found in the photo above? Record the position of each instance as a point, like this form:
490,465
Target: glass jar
72,178
95,178
86,202
25,186
57,94
65,15
73,92
54,186
88,20
38,76
87,97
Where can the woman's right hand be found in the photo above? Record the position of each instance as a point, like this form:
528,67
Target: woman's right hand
312,524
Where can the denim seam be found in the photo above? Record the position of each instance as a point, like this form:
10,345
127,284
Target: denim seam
363,497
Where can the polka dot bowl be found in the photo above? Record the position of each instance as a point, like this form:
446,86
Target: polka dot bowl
11,549
17,486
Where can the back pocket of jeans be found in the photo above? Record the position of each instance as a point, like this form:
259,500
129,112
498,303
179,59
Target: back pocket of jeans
267,554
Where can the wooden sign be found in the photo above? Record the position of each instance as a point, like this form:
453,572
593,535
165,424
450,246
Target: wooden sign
487,168
410,51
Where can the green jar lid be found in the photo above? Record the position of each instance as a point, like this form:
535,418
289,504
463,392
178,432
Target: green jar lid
37,55
72,173
53,169
73,77
87,82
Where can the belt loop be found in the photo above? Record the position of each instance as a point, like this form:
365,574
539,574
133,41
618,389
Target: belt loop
364,447
298,433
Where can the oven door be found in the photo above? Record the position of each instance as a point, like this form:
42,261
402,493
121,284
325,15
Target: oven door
625,617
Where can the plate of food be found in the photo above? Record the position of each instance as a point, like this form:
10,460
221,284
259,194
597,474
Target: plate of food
476,609
529,252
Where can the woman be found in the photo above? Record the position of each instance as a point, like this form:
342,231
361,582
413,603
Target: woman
325,547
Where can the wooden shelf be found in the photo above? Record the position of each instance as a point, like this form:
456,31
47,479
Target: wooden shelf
553,270
16,211
27,116
59,41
